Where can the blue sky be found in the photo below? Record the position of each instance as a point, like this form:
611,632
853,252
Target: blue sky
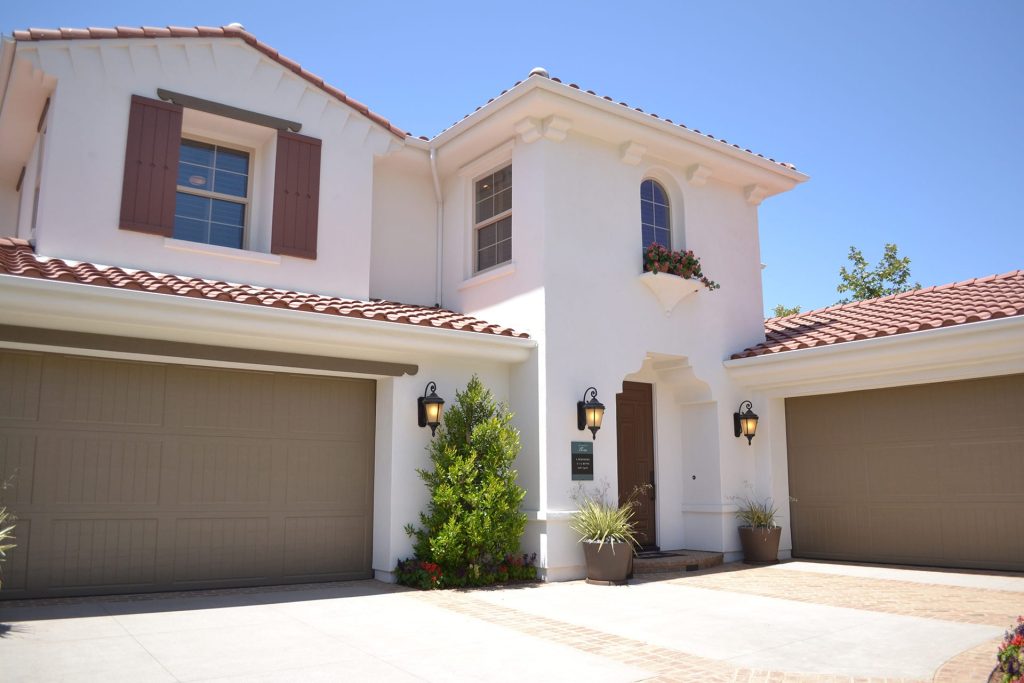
907,115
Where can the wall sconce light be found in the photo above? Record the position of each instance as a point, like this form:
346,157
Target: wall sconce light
589,412
745,422
429,408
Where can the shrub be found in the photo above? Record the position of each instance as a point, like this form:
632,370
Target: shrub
472,523
597,520
6,532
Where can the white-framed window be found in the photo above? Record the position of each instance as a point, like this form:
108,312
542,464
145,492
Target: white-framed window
655,220
492,219
213,191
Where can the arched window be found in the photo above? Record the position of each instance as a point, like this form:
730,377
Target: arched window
654,216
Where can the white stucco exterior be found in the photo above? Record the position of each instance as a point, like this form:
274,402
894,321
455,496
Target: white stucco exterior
574,284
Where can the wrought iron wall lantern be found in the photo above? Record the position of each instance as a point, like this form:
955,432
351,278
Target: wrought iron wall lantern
745,422
589,412
429,408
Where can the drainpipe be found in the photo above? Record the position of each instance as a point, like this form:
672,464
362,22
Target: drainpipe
440,224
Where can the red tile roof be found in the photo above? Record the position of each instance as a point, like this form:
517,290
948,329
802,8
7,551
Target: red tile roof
18,258
206,32
984,298
627,106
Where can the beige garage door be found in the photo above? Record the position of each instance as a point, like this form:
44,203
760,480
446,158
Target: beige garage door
131,477
930,474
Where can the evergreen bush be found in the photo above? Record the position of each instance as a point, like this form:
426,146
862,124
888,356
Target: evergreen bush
473,523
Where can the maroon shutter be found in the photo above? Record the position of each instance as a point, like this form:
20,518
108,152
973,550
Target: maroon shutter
296,195
151,166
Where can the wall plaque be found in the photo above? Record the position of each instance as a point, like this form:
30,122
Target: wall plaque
582,461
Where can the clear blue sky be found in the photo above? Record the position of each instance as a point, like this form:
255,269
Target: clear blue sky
908,116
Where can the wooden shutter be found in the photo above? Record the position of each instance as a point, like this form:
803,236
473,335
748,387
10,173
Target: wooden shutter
296,195
151,166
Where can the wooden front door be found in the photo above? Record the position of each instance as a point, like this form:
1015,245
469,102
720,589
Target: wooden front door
634,410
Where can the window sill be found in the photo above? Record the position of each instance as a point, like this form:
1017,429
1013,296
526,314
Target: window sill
668,289
489,275
224,252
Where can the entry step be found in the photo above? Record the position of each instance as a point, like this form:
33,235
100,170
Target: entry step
658,561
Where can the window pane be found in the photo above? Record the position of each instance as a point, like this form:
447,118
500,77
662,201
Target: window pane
504,251
196,153
231,160
486,258
484,209
484,187
503,179
647,190
647,235
503,201
659,193
230,183
190,175
504,228
190,229
487,236
192,206
229,213
647,213
663,238
661,216
226,235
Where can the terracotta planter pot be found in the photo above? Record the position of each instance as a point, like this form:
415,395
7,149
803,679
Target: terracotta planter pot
608,563
760,545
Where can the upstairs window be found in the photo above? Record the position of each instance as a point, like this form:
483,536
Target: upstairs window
654,215
493,219
212,200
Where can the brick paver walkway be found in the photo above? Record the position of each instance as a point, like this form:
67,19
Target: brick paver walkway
948,603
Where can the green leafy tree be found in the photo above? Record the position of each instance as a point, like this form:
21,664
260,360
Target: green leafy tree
781,311
473,518
890,276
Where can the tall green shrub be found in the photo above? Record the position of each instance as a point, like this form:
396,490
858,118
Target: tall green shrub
473,519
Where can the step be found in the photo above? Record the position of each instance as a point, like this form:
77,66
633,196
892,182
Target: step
659,561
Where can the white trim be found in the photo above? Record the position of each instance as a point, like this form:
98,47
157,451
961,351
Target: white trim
981,349
225,252
499,271
487,161
77,307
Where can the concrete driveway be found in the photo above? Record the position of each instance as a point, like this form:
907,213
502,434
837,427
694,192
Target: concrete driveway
797,621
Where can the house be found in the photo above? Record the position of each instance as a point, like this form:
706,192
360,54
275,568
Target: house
206,379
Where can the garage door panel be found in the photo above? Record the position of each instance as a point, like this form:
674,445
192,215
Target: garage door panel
211,400
227,470
218,548
89,552
19,386
940,463
320,472
221,488
321,545
89,469
102,393
17,468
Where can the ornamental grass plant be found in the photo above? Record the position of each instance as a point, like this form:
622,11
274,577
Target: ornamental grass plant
598,521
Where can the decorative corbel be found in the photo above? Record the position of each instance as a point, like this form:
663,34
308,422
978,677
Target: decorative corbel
529,129
698,174
632,152
754,194
556,128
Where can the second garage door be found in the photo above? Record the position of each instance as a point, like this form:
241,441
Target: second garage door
927,475
131,476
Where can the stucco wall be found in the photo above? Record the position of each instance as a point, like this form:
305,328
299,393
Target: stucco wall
84,159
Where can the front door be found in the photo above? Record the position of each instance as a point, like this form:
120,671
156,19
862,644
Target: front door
634,410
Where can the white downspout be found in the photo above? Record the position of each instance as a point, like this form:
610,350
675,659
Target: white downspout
440,225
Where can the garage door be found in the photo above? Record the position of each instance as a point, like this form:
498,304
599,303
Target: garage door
929,475
130,477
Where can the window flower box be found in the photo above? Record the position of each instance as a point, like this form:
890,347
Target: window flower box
673,275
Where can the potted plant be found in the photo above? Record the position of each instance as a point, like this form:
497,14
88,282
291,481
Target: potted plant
607,534
759,532
684,264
